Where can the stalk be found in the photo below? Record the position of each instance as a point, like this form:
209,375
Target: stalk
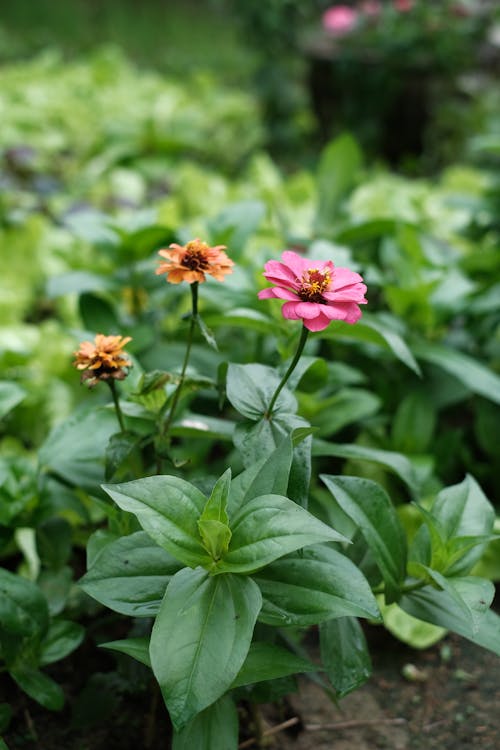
116,401
293,365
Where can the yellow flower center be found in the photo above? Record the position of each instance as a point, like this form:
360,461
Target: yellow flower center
313,283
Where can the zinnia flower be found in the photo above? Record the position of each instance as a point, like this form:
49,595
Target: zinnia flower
103,359
339,19
192,261
403,6
317,292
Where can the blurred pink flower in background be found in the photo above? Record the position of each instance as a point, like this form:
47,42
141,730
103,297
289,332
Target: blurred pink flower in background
371,8
339,19
315,291
403,5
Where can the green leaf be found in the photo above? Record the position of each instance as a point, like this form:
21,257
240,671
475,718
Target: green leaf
337,170
11,394
267,661
130,575
118,450
62,638
200,639
348,405
206,333
369,506
258,440
137,648
250,388
413,423
40,687
243,317
474,595
410,630
317,585
23,609
75,449
374,331
471,373
442,608
5,717
215,727
268,527
168,509
464,511
98,314
214,521
391,460
344,654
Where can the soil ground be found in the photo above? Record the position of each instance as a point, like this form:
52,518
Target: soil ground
453,704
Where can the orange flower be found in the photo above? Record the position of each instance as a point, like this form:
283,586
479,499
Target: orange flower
192,261
103,359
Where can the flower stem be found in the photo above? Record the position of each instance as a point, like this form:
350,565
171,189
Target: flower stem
116,401
175,400
293,365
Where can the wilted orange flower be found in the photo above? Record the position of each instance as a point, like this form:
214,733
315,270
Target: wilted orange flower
103,359
192,261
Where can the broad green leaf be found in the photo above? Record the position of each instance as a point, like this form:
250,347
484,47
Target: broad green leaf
317,585
369,506
76,282
130,575
250,389
337,171
243,317
267,661
97,313
391,460
464,511
23,608
268,527
474,595
200,639
75,449
471,373
215,727
40,687
413,424
168,509
11,394
61,639
344,654
441,608
257,440
332,414
118,450
374,331
137,648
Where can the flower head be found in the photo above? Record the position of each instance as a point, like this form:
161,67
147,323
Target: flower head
403,6
192,261
339,19
103,359
316,292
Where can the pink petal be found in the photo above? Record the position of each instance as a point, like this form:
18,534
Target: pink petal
344,277
317,324
308,310
289,311
279,273
295,262
277,292
354,293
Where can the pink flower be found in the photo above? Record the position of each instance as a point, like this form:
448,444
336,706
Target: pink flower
339,19
315,291
403,5
371,8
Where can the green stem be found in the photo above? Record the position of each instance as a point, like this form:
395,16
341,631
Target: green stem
114,393
175,400
293,365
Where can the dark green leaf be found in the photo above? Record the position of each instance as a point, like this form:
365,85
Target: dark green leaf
168,509
137,648
344,654
338,167
317,585
201,638
413,423
118,450
251,387
369,506
267,661
215,727
61,639
11,394
23,609
98,315
130,575
268,527
40,687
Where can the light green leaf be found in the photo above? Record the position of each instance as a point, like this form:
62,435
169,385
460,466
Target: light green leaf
137,648
250,389
200,639
62,638
338,167
11,394
267,661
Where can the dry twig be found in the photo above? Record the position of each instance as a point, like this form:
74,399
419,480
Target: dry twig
274,730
